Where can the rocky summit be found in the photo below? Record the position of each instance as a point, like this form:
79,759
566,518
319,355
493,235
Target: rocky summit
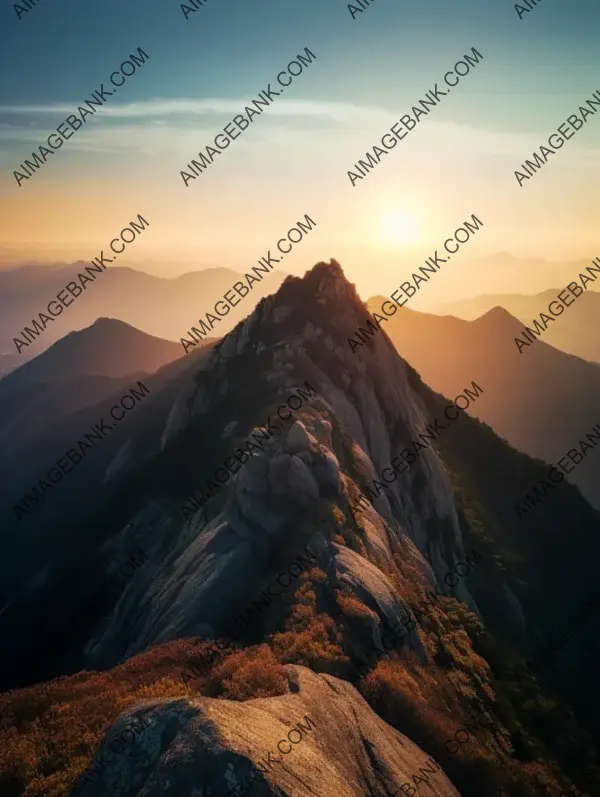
215,562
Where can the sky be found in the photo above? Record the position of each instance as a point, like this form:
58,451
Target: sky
368,71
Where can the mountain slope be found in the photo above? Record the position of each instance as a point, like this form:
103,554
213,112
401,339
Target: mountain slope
541,401
41,423
575,333
80,369
286,562
108,347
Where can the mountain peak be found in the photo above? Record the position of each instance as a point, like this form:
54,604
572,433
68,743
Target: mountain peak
324,282
107,324
498,319
321,304
108,347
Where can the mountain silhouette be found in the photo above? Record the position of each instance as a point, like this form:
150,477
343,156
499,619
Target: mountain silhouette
575,330
77,370
108,347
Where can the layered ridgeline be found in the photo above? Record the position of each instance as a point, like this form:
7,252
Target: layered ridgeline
307,582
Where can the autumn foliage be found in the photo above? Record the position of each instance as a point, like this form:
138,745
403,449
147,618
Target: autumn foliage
49,732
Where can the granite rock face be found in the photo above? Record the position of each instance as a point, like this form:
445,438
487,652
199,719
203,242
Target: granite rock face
360,411
319,738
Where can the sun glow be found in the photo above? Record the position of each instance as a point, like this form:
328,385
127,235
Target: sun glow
399,227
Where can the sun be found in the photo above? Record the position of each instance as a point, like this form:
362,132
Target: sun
399,227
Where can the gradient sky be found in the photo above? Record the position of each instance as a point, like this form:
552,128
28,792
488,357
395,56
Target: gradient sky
294,159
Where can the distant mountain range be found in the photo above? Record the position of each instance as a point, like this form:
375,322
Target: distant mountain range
541,401
503,273
158,306
576,330
169,307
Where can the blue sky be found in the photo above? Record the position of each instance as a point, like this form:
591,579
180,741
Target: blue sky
61,48
368,72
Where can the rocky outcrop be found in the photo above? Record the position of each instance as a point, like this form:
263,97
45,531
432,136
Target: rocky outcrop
319,739
363,410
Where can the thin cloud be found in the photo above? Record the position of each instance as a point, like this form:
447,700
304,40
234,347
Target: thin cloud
309,126
342,112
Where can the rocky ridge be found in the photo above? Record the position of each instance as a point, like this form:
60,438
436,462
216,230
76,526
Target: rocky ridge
364,411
